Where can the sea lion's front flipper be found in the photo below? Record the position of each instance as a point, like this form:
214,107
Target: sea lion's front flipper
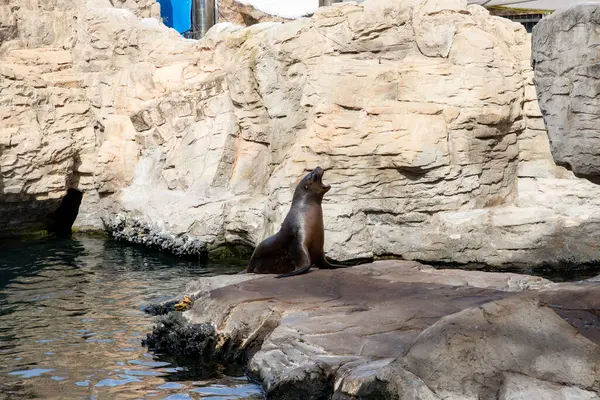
302,265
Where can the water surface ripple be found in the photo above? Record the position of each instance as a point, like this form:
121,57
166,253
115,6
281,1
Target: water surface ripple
71,323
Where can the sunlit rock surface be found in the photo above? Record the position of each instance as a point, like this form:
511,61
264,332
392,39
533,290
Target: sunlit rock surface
245,13
423,114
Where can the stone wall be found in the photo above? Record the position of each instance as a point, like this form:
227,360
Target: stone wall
422,112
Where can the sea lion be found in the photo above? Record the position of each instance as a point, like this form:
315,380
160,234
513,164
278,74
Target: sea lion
299,242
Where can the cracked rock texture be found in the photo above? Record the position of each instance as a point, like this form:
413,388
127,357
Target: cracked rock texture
566,61
244,14
51,137
422,112
401,330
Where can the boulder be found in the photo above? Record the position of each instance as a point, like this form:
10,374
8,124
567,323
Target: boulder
395,330
474,352
566,59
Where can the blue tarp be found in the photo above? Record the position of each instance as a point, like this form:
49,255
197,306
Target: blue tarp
176,14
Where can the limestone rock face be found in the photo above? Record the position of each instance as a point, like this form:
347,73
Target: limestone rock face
566,76
243,14
371,331
423,114
434,145
141,8
46,134
53,136
36,23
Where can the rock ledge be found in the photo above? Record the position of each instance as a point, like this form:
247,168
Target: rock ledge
396,329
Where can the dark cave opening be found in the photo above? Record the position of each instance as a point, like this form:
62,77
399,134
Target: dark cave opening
61,221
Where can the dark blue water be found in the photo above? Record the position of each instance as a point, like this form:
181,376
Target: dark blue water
71,324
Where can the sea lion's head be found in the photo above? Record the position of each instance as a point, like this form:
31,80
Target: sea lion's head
313,183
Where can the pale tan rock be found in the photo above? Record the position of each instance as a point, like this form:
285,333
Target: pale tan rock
118,155
45,131
141,8
243,14
423,114
565,75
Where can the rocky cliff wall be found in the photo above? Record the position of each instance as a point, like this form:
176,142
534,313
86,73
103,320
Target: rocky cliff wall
422,112
35,23
43,110
49,135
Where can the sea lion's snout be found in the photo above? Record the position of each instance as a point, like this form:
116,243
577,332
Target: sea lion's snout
319,174
314,181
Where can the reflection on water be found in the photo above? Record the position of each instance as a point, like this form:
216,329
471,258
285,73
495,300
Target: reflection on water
71,324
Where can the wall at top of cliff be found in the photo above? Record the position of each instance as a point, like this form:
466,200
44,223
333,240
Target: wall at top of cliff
422,112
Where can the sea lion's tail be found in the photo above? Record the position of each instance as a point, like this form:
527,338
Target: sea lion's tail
249,268
294,272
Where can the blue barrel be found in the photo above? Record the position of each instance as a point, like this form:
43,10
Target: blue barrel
176,14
